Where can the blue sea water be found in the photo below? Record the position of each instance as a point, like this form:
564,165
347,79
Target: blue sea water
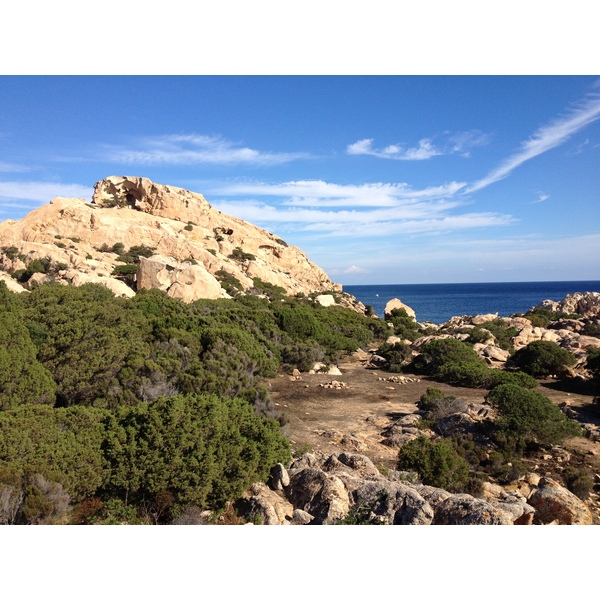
438,302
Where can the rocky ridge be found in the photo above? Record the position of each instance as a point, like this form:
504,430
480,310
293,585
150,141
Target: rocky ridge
568,333
346,487
193,246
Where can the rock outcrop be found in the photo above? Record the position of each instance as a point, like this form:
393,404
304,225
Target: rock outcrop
319,490
585,304
394,304
194,246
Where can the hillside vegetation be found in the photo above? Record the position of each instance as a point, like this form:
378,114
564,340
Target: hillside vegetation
133,409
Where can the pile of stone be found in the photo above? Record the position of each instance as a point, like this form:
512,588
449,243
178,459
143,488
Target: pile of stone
399,379
334,385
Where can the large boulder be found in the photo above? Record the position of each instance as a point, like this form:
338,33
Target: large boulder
462,509
394,303
182,280
320,494
391,503
555,504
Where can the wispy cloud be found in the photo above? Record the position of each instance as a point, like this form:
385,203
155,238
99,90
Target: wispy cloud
541,198
41,191
322,194
424,150
456,143
12,168
197,149
544,139
378,210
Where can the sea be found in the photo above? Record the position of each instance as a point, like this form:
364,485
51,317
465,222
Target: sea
438,302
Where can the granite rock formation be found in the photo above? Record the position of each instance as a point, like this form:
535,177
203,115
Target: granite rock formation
191,243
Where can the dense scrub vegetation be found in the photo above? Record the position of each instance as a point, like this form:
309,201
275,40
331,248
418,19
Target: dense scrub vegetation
132,410
456,363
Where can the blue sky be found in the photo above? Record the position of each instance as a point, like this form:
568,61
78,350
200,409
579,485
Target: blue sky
379,179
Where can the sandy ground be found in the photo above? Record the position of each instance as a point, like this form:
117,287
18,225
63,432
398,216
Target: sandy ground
352,419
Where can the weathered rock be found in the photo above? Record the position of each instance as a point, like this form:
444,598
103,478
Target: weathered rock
578,303
391,503
266,506
376,362
323,496
325,300
180,280
11,284
480,319
301,517
394,303
358,463
279,477
496,353
553,502
462,509
176,223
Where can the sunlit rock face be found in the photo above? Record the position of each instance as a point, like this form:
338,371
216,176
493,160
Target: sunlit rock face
191,240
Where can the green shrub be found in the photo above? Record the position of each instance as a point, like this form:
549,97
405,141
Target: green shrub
437,462
479,375
126,273
426,402
404,326
264,288
578,481
201,449
132,256
23,379
11,252
61,444
437,353
543,358
531,416
239,254
397,355
593,362
230,283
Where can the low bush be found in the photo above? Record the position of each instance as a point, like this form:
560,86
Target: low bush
437,462
437,353
543,358
578,481
530,416
397,355
479,375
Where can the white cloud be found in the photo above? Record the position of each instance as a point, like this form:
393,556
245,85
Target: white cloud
197,149
541,198
327,209
42,191
320,193
456,143
423,151
544,139
354,270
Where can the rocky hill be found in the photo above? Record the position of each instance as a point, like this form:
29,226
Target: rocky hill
139,234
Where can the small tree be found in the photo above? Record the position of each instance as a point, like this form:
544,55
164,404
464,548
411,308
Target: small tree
543,358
